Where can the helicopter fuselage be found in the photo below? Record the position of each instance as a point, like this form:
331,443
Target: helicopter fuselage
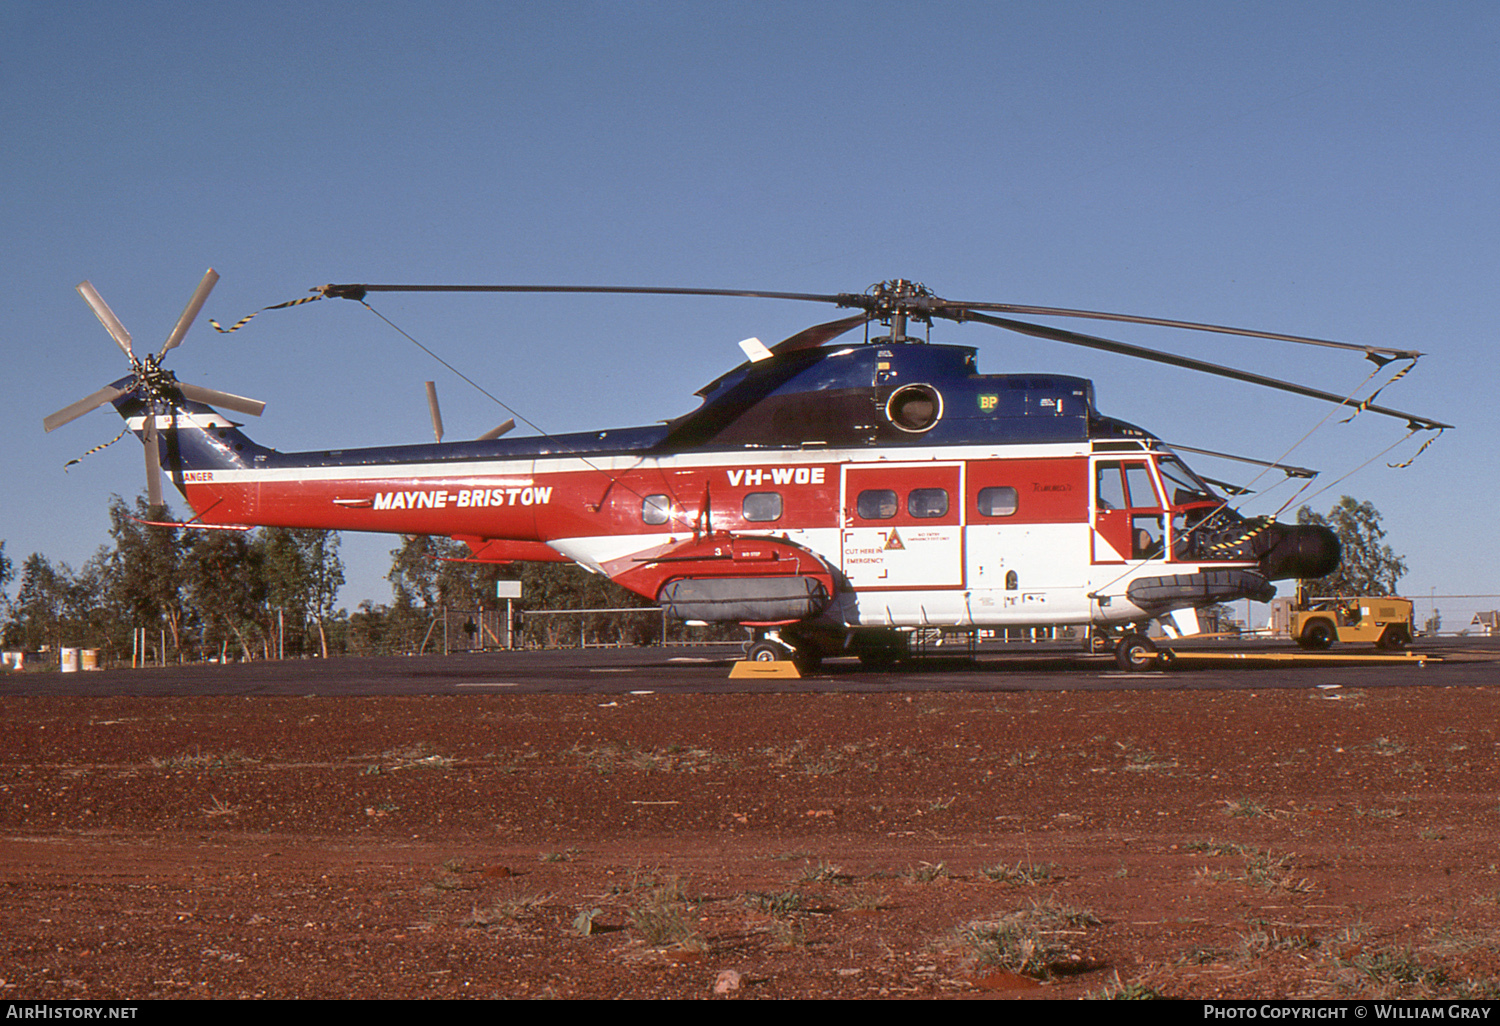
884,484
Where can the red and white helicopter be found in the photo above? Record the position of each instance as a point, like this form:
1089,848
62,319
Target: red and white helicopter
831,496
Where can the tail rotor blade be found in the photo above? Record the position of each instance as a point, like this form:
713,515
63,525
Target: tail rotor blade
153,460
107,318
229,401
432,406
200,296
72,412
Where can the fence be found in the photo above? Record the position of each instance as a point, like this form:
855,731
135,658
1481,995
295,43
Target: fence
1472,615
476,630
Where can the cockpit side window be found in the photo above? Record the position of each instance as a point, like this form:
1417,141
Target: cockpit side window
1142,488
1110,493
1128,508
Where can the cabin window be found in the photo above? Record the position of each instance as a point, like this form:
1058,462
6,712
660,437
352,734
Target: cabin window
762,507
927,502
1012,582
655,509
876,504
997,501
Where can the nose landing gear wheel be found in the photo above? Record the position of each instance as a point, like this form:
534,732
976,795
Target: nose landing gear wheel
1135,652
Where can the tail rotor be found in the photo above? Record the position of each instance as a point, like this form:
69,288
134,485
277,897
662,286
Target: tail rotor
158,390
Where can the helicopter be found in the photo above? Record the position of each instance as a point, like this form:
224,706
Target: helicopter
832,497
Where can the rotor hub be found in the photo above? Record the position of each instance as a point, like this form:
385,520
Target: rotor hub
154,380
894,301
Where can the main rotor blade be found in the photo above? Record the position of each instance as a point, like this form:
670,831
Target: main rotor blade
213,397
921,304
432,406
1053,311
153,459
107,318
1140,352
67,414
811,338
358,291
901,298
1286,468
498,430
200,295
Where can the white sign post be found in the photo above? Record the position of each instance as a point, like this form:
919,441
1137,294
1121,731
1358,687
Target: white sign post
509,591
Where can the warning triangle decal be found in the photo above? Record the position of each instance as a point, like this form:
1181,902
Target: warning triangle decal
894,541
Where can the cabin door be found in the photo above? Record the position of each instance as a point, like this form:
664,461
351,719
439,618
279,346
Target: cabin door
903,525
1129,523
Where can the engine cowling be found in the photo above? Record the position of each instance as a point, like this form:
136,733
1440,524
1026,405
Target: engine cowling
1303,551
1284,551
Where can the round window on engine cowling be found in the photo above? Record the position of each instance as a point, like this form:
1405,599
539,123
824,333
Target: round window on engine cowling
914,408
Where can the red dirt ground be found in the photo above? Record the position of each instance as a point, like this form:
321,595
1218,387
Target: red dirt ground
1191,844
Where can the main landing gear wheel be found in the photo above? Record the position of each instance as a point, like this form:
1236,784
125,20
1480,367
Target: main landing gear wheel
806,659
767,652
1135,652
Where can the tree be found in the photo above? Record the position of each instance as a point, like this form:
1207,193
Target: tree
226,585
1367,566
428,573
569,586
323,577
39,607
6,572
145,573
384,630
211,589
91,615
303,574
432,572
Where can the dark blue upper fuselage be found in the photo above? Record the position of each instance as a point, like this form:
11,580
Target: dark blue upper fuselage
867,394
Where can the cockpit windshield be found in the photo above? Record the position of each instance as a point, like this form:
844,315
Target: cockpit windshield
1185,486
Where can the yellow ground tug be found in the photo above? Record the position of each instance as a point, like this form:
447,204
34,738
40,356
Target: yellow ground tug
1316,622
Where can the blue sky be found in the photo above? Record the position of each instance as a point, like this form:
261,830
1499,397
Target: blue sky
1324,169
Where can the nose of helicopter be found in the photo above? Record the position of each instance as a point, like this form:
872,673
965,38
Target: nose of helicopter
1303,551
